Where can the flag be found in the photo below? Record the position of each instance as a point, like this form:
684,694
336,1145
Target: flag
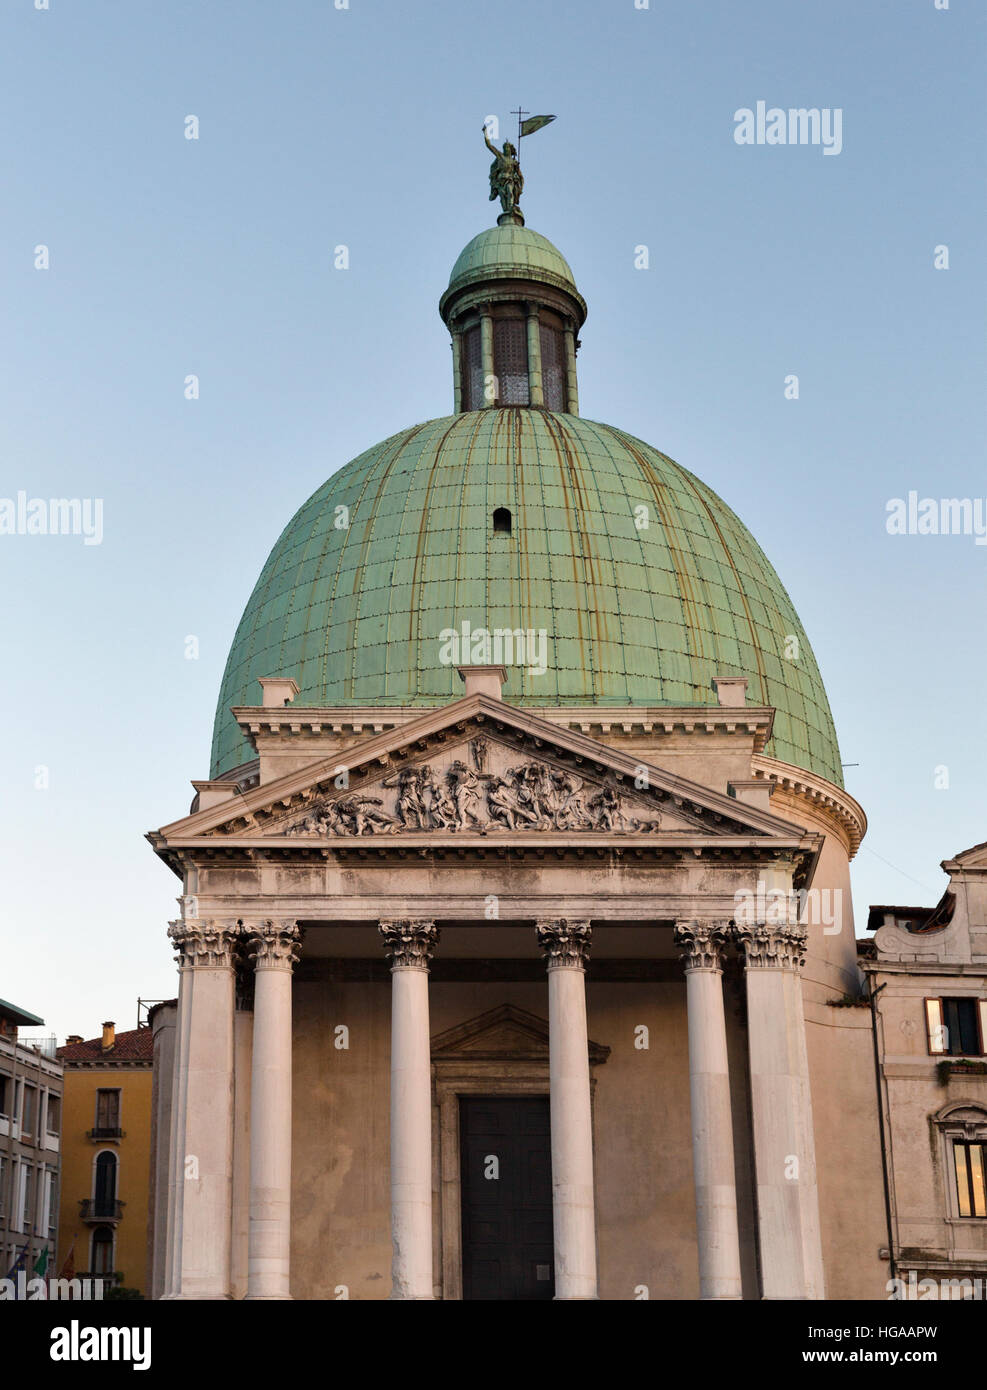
534,123
68,1268
41,1263
19,1262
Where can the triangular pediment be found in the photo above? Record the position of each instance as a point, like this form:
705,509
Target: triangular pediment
478,770
499,1034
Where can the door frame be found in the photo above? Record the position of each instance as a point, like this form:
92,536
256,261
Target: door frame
482,1078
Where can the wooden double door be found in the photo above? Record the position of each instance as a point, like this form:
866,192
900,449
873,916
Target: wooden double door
506,1157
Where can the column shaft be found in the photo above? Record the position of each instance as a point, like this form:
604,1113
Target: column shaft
572,384
536,393
273,946
206,1159
490,386
784,1148
566,946
712,1121
410,945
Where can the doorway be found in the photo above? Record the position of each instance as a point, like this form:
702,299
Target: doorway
506,1175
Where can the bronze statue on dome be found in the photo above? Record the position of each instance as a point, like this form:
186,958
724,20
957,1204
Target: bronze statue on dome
506,179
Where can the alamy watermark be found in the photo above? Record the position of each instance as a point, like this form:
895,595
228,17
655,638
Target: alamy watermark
504,646
52,516
773,125
25,1288
804,907
937,516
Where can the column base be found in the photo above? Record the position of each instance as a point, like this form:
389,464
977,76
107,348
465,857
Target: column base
196,1298
268,1298
576,1298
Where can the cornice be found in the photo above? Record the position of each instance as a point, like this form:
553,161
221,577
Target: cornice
640,720
804,788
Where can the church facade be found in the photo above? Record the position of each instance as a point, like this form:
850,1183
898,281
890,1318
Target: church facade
516,950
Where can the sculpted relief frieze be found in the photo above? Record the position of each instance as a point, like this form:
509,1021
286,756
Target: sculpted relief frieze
484,791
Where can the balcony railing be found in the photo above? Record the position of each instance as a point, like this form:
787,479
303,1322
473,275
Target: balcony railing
105,1132
96,1210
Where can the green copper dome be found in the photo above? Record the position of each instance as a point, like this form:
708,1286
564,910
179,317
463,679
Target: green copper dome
634,614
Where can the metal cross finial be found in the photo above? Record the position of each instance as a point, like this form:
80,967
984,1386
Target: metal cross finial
520,116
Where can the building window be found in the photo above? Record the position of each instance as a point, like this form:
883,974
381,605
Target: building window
970,1193
101,1253
3,1186
54,1113
957,1027
511,361
5,1089
552,366
107,1114
27,1117
472,369
105,1187
27,1192
502,522
51,1204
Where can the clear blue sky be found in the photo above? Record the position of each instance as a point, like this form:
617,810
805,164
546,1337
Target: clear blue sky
321,126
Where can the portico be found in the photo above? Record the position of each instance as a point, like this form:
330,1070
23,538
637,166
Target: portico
605,908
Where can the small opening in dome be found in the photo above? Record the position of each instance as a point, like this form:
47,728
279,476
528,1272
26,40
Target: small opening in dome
502,522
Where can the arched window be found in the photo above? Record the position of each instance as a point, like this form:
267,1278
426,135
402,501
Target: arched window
962,1128
105,1187
502,522
101,1251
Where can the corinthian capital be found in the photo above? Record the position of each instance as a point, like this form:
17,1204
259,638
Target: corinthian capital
564,944
273,943
409,944
772,945
205,943
700,943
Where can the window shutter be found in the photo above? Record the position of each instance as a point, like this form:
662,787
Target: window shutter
935,1025
982,1006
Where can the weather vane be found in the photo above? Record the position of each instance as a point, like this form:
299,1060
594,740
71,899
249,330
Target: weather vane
506,179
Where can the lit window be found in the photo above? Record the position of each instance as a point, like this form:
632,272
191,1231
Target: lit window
970,1193
956,1027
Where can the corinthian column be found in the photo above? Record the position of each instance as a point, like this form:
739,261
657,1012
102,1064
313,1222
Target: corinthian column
274,949
566,949
700,946
204,1150
409,945
784,1146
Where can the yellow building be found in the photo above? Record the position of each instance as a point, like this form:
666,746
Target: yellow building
106,1148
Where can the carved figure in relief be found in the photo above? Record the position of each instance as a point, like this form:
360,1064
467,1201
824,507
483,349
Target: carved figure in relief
438,811
360,815
409,807
465,787
528,796
605,810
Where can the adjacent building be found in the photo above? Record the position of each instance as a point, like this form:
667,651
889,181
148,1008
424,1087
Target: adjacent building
106,1156
30,1142
927,976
